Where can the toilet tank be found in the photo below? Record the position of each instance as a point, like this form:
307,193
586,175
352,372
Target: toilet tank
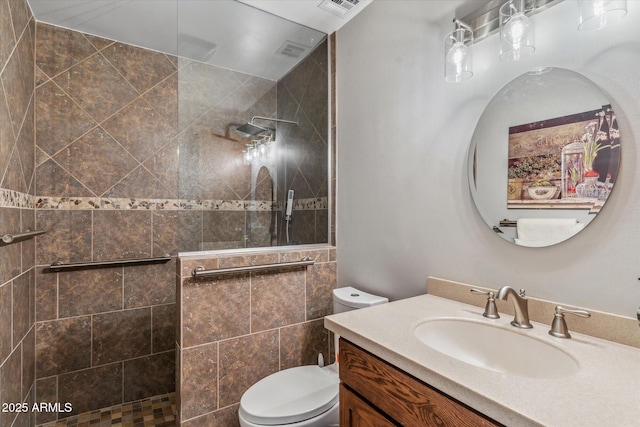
350,298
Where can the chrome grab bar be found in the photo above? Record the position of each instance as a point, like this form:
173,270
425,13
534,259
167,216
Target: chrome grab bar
60,266
15,238
201,272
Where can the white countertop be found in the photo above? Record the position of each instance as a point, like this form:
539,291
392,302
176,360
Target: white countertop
605,391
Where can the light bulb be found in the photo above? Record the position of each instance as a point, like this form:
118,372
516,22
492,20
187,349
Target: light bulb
516,29
457,54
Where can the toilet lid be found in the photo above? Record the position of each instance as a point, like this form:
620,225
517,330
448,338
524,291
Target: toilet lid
290,396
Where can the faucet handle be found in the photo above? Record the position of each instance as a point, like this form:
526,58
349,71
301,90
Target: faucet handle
490,310
559,325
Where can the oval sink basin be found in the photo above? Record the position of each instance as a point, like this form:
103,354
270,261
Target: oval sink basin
496,349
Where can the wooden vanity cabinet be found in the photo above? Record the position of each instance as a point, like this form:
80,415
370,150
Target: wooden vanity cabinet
355,412
375,393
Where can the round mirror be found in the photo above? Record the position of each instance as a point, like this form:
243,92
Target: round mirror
544,157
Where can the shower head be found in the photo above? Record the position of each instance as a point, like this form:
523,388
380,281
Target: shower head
251,129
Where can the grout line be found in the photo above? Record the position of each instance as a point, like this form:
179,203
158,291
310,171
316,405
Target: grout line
217,374
251,276
279,349
57,379
91,255
122,289
306,315
122,379
57,314
91,343
11,348
78,316
151,332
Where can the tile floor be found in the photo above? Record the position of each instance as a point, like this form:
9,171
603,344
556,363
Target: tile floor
157,411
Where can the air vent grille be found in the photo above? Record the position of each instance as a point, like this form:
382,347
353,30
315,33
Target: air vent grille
292,49
346,4
338,7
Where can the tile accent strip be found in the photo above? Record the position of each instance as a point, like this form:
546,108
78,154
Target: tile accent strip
105,203
15,199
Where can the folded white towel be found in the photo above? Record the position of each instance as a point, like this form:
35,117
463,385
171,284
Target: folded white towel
545,231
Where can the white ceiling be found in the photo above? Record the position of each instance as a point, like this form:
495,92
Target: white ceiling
308,12
227,33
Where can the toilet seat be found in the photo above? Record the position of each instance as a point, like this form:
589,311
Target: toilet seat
290,396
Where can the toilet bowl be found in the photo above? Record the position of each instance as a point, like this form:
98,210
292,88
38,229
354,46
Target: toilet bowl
305,396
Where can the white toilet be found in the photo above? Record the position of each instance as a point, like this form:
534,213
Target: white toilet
306,395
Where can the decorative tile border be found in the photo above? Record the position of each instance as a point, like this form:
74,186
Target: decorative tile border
310,204
104,203
15,199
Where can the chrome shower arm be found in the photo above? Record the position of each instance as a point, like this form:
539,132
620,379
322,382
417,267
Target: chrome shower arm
273,120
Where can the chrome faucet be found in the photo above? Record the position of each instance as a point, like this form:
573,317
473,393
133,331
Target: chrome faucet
559,325
490,309
520,306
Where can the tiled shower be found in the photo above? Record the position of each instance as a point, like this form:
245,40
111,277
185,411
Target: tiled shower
91,131
104,336
17,261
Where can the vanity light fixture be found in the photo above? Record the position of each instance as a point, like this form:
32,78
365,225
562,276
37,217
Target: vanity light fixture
595,13
458,61
258,150
516,29
514,19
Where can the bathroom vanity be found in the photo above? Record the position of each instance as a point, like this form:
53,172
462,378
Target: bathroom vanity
390,376
394,395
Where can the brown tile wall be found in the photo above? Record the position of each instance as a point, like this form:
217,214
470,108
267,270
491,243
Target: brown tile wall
333,140
235,330
104,128
17,260
302,96
107,129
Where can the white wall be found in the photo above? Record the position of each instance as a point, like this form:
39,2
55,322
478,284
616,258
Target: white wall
404,207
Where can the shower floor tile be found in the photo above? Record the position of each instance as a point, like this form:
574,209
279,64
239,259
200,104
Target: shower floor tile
157,411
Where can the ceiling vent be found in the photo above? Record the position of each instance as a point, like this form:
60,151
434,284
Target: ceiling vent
338,7
292,49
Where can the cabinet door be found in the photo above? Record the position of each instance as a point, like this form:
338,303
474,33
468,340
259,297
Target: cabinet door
355,412
403,398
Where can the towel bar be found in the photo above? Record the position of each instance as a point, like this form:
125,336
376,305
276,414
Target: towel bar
59,266
7,239
201,272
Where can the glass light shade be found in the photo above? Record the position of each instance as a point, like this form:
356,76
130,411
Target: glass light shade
458,61
516,29
247,155
594,14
